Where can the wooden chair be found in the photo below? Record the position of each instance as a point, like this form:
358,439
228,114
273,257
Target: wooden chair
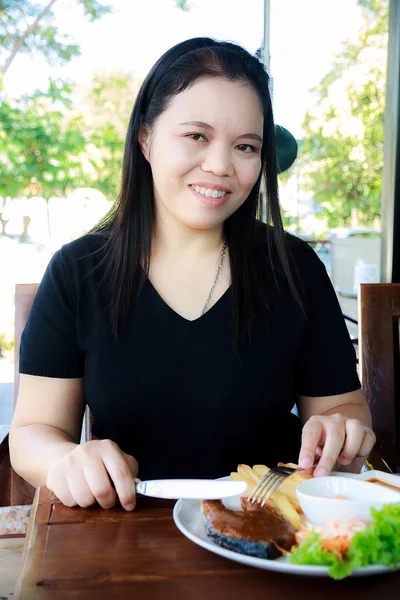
13,489
380,365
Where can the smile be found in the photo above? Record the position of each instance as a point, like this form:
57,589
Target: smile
208,192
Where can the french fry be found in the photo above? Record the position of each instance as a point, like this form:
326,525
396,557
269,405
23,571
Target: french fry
289,490
283,504
260,470
250,483
248,473
284,499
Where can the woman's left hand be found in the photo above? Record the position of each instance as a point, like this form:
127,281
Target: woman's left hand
335,438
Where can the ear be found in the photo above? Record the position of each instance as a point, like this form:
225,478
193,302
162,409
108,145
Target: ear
144,142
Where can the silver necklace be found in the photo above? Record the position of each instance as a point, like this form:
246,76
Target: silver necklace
214,283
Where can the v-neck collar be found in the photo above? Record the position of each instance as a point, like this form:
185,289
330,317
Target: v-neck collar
186,327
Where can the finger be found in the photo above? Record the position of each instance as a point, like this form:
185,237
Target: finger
121,475
354,430
368,443
312,434
132,464
99,483
79,489
59,486
334,441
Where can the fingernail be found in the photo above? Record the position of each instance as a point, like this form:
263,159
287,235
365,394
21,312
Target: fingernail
344,461
306,463
130,506
320,472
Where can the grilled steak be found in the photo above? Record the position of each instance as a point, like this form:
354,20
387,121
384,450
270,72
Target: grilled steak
255,531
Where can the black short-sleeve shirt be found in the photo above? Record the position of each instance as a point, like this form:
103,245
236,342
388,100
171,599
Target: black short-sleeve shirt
174,393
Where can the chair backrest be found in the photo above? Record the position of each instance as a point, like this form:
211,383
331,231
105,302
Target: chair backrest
380,364
21,492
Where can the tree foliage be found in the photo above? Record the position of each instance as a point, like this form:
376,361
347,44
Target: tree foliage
47,146
27,27
342,160
112,94
39,150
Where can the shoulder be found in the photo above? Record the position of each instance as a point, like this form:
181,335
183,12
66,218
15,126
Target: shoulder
303,255
81,256
300,255
76,267
83,247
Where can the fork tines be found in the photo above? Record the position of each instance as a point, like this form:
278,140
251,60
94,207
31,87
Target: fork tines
269,483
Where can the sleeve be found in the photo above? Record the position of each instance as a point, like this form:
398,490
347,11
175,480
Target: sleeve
327,362
49,345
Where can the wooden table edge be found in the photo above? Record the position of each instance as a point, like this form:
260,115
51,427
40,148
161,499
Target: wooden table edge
40,513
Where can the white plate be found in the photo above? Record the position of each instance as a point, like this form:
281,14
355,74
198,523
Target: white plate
190,521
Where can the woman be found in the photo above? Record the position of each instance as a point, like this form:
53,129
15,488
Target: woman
188,327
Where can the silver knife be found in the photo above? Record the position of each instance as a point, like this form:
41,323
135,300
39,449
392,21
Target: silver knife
193,489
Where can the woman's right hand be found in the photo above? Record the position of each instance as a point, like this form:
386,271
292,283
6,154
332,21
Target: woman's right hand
96,471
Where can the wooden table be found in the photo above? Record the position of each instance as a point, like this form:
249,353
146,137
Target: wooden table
99,554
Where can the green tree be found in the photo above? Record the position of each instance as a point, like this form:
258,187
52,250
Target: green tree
112,94
342,159
26,27
46,147
39,148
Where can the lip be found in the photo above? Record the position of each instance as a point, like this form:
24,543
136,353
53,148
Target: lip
213,202
211,186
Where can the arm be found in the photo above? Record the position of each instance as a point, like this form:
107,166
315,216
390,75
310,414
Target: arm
46,425
45,449
338,428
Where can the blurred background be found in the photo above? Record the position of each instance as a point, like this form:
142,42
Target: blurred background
69,74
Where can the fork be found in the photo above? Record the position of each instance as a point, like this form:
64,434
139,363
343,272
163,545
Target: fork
270,483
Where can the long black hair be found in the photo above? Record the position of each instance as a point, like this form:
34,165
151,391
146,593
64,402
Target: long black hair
129,225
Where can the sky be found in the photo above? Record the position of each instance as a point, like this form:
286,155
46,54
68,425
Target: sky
305,36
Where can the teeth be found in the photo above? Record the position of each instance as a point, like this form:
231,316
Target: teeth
208,192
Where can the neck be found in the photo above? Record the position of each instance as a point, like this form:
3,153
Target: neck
185,243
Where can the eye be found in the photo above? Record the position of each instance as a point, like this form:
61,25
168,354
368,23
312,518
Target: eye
246,148
196,136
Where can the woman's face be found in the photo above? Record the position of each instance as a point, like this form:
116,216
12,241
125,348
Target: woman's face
205,152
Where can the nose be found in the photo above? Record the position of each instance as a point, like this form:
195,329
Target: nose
218,160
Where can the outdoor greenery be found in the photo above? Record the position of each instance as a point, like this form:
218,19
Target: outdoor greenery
27,27
48,147
341,159
53,141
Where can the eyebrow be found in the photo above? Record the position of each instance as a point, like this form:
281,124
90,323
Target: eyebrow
252,136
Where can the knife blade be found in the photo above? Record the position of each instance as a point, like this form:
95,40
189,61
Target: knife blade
193,489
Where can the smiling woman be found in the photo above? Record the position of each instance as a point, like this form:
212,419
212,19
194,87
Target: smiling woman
212,163
188,327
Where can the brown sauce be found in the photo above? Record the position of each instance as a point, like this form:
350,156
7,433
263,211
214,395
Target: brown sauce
257,524
384,483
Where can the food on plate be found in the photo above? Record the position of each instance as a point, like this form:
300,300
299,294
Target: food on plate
381,481
284,499
350,544
336,497
275,529
261,532
336,536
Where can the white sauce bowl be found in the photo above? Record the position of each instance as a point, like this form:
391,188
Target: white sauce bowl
317,499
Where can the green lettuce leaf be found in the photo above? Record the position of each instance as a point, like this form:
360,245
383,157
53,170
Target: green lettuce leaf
310,552
378,544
